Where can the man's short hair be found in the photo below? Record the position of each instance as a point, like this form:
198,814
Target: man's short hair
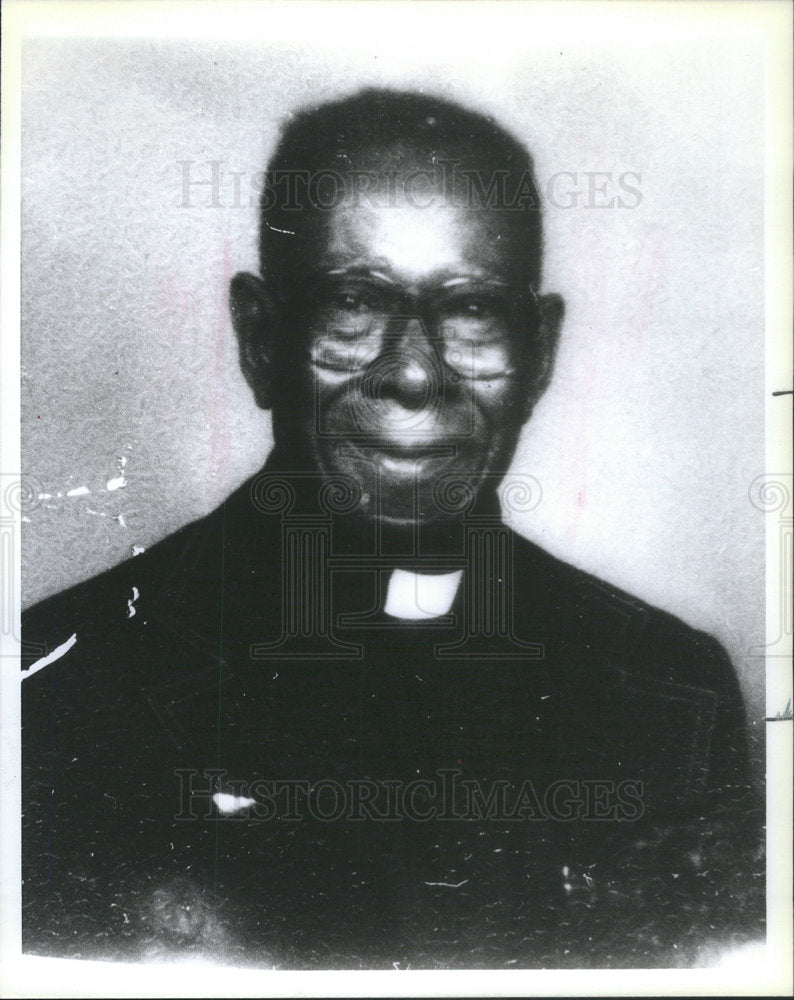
379,131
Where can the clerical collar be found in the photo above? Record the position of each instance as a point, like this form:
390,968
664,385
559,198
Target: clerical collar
420,596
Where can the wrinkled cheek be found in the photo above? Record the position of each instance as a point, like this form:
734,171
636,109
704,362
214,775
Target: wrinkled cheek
325,404
313,405
500,417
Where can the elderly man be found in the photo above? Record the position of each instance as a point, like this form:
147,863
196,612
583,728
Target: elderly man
350,718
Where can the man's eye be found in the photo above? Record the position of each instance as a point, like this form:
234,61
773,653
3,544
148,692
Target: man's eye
473,308
352,302
478,309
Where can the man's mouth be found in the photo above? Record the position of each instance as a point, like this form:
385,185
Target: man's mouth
405,464
399,480
408,459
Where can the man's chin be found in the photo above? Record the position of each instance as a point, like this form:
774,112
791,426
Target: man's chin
441,500
400,522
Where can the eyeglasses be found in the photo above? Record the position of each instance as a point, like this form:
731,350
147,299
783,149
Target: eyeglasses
476,326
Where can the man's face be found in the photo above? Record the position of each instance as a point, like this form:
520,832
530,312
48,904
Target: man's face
409,349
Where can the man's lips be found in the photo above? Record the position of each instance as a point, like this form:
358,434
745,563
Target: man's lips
402,458
410,451
415,451
402,464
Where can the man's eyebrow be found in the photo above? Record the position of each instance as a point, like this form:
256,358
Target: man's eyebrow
473,278
357,271
454,280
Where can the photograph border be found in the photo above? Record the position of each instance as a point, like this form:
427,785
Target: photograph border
766,971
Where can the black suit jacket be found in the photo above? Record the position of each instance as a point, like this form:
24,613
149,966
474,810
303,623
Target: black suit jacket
233,751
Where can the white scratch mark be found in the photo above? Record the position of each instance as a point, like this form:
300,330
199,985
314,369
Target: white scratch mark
119,482
120,519
449,885
131,603
228,803
45,496
25,519
79,491
275,229
138,549
56,654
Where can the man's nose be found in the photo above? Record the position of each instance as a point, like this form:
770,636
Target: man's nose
408,370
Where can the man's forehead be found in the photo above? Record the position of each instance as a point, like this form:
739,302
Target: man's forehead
393,154
415,235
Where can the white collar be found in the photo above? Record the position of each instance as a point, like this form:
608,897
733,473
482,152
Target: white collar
417,596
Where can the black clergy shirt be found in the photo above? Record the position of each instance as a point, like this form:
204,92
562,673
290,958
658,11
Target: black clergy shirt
229,749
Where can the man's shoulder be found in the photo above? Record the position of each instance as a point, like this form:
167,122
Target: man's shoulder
654,681
104,602
563,585
630,633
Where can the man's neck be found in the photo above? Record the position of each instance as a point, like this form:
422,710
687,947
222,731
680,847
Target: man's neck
424,546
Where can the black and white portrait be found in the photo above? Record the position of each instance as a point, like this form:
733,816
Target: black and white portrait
393,494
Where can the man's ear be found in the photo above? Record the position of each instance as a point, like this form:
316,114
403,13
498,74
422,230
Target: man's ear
255,319
546,338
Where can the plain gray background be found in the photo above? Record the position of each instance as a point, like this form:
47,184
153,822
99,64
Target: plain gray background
653,429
